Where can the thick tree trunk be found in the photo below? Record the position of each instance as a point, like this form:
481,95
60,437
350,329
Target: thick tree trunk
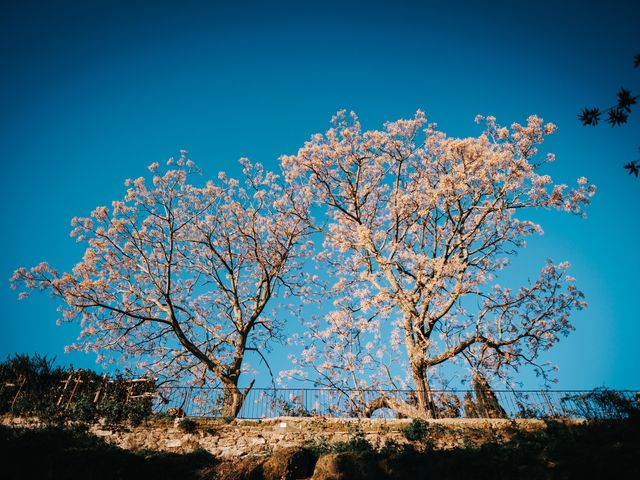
487,404
416,346
419,404
233,399
424,396
385,401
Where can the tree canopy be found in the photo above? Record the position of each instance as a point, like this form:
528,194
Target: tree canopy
416,227
178,278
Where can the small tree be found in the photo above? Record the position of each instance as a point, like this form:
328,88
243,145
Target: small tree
417,225
178,277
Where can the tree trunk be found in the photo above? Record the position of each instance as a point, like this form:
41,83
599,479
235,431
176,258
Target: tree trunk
425,402
487,403
416,353
420,403
385,401
233,399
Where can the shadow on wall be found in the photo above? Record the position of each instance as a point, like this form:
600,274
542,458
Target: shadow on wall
605,449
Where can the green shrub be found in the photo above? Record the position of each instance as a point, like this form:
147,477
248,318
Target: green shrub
319,446
111,411
391,448
356,444
601,403
33,387
114,412
187,425
82,410
416,430
137,412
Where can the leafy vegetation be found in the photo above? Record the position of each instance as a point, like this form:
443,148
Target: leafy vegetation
357,443
188,425
416,430
617,115
602,403
606,449
34,387
72,453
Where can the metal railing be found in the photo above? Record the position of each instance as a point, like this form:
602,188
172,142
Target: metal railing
305,402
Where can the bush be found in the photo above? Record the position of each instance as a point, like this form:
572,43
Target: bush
187,425
115,412
391,448
83,410
601,403
416,430
34,387
356,444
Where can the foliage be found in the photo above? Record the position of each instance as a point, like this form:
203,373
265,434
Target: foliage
179,277
74,454
36,379
85,410
617,115
602,403
357,443
418,429
391,448
188,425
115,412
417,226
33,386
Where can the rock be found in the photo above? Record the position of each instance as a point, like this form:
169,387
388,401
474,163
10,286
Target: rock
289,464
258,441
345,466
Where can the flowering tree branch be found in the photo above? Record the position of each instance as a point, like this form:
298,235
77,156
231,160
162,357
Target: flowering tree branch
179,277
416,226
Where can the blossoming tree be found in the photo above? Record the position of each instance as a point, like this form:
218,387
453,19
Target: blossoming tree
416,227
179,277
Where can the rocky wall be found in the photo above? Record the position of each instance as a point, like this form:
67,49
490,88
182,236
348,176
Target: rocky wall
240,438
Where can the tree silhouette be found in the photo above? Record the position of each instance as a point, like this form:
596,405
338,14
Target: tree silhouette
617,115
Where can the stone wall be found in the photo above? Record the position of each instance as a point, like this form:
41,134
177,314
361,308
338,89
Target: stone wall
240,438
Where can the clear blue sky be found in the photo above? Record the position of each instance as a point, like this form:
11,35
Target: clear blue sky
90,95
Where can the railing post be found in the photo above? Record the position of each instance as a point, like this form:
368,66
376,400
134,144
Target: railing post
24,380
549,405
73,391
185,406
335,403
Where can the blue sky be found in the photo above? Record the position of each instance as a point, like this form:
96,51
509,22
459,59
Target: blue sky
91,94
